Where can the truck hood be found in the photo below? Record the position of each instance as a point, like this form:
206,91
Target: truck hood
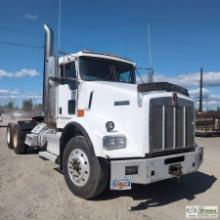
107,93
143,88
126,87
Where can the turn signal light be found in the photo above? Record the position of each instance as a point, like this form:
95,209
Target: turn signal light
80,112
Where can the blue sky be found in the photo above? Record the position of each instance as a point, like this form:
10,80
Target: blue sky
185,36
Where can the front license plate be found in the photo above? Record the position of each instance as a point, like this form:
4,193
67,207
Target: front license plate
123,184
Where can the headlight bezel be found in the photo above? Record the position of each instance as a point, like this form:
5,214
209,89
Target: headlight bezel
114,142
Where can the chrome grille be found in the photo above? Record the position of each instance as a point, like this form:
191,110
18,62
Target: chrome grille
171,127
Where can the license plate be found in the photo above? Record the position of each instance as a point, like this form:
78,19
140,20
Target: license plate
123,184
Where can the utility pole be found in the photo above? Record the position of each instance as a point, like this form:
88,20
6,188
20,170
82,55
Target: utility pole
200,91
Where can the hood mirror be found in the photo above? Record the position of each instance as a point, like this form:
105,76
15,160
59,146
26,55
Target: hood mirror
71,82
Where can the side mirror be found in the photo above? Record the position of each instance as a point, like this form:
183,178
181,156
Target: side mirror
71,82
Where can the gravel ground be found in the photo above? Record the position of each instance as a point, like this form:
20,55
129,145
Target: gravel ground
31,188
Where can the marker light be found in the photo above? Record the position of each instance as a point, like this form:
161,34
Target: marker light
80,112
109,125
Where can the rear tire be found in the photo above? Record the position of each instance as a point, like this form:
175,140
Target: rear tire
9,135
18,140
85,175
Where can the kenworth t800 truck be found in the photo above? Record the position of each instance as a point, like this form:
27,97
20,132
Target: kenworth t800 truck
104,129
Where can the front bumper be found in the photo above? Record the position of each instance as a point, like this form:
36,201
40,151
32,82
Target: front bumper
148,170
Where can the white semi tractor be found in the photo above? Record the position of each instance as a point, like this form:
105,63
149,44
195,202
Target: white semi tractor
104,129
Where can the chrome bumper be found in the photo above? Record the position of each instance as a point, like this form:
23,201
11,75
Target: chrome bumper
148,170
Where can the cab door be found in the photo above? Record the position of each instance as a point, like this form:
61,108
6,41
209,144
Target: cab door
66,103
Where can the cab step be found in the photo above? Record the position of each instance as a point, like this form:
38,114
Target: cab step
48,156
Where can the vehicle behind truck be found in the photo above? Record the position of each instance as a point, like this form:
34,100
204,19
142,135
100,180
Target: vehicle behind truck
105,130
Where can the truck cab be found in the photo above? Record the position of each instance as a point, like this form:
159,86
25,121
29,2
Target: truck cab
89,69
104,129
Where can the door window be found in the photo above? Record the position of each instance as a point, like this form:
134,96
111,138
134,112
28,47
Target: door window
68,70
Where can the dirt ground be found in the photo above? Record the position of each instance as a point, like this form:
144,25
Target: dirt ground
31,188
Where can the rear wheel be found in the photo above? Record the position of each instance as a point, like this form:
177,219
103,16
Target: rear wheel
9,135
18,140
85,175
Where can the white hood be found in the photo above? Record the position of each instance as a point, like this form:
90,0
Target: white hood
113,85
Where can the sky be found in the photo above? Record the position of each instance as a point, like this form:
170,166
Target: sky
185,36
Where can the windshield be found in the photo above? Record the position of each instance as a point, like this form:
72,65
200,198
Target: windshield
93,68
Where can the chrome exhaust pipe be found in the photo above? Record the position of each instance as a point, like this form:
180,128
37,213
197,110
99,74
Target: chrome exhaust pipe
49,42
49,98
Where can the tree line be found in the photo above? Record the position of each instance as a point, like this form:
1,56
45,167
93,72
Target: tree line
26,106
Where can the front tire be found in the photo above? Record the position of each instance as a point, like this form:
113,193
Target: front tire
85,175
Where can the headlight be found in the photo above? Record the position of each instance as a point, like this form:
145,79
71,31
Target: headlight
114,142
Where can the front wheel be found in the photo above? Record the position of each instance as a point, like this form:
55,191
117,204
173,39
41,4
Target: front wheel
85,174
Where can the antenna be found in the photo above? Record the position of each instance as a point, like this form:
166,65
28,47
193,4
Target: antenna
151,72
59,24
149,45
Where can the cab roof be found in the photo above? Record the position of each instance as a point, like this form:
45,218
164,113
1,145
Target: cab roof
71,57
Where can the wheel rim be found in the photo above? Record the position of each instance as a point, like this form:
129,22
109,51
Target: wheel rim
78,167
8,135
15,139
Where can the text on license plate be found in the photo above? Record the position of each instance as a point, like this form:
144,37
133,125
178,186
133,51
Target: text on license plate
123,184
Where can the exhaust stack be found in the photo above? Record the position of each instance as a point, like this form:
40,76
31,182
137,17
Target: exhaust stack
49,41
50,70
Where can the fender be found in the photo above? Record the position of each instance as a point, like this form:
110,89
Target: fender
71,130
